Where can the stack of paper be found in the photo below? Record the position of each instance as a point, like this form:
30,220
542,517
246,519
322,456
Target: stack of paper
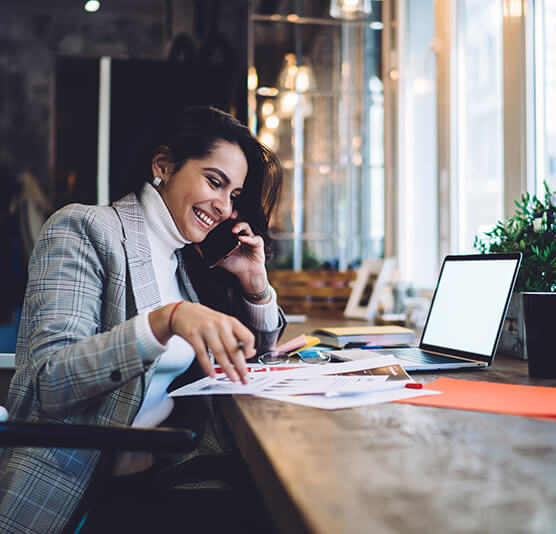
329,386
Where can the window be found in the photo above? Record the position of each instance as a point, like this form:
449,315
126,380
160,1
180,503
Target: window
450,163
316,98
545,93
478,184
417,214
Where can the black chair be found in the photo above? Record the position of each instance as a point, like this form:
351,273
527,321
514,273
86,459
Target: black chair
172,505
108,439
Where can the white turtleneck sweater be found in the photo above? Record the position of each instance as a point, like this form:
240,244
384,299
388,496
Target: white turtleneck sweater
164,239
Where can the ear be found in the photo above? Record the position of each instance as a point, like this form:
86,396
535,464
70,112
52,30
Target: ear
162,162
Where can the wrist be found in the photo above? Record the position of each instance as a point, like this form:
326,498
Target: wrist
160,321
261,297
172,312
253,284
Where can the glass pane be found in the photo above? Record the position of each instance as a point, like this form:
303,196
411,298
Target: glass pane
418,236
545,63
317,100
479,183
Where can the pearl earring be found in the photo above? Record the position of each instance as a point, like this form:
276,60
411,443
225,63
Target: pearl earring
157,180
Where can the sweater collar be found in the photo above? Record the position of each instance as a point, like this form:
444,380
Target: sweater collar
160,223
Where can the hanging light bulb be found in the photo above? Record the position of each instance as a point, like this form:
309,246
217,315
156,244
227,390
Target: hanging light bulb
288,73
252,79
304,79
350,9
295,79
92,6
272,122
288,101
268,139
267,108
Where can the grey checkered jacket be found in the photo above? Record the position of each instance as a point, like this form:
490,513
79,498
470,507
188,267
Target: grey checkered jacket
76,357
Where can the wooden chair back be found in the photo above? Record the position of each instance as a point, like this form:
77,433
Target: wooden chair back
316,292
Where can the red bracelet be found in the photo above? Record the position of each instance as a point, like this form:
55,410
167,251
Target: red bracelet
172,314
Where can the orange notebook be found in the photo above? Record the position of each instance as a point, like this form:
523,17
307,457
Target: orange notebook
529,401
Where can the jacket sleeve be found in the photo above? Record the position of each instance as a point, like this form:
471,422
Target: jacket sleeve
266,321
266,340
73,357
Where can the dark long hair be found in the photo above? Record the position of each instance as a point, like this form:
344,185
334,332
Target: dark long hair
193,134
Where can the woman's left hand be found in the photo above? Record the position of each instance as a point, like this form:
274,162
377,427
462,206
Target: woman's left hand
248,262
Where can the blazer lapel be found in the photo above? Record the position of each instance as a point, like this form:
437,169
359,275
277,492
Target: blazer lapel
138,252
184,277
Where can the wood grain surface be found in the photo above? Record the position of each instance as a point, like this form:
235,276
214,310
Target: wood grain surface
396,468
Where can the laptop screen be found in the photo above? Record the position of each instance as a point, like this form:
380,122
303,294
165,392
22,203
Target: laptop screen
470,301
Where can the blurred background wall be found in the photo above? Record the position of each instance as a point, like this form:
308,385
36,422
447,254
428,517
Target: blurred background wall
50,56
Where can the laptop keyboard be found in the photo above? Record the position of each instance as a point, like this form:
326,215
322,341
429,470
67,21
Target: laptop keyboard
417,355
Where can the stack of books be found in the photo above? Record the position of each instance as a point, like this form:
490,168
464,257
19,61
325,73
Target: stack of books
379,336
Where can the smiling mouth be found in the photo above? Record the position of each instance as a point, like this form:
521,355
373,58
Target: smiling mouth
203,217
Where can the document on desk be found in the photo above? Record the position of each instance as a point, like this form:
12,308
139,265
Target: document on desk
297,379
333,385
387,381
222,385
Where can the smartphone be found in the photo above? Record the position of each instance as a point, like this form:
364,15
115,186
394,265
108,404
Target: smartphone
219,243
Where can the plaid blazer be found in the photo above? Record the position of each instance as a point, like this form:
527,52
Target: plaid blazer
76,357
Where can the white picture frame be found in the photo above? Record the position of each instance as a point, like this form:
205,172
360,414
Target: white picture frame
372,276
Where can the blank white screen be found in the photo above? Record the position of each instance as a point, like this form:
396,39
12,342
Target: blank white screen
469,305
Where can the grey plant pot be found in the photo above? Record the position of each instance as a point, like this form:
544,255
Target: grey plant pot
512,343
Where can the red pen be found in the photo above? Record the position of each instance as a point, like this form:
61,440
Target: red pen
414,385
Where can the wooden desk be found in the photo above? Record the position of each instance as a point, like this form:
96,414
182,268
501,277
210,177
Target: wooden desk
398,468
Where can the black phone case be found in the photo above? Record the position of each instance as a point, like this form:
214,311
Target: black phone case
219,243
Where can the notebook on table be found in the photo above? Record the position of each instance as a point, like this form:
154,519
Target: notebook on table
373,335
465,318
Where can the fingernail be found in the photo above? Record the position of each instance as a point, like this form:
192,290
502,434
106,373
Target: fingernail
234,377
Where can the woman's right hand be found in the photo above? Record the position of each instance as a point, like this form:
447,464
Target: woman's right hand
229,340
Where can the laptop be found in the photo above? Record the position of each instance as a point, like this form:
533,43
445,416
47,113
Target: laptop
465,318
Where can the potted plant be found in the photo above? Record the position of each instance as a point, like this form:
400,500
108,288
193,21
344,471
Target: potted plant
531,231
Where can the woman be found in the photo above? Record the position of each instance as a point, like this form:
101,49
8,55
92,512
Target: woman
119,303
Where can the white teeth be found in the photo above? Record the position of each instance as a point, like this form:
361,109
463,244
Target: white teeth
205,218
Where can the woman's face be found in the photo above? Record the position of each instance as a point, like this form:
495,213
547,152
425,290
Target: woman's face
200,195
